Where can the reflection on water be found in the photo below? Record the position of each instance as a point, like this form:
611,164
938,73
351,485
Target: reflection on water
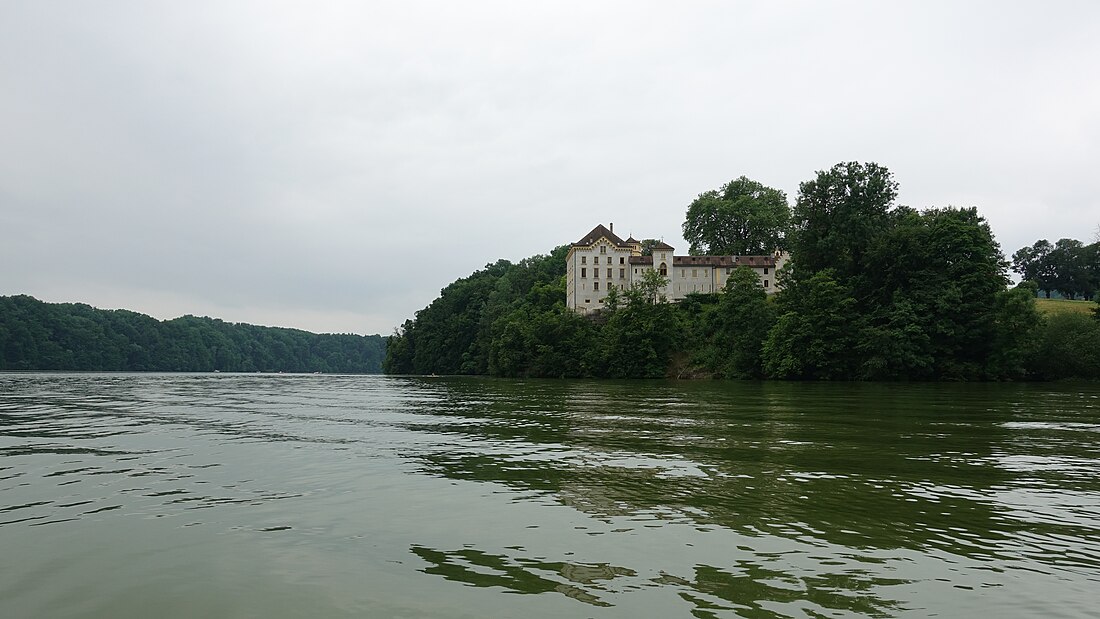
480,569
697,499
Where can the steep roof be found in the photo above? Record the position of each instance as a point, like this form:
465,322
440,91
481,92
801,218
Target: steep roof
597,232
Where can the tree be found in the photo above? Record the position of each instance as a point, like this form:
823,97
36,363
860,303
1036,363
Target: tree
741,218
1015,321
649,288
648,245
815,336
930,297
1069,262
1034,264
1067,345
739,326
838,214
640,337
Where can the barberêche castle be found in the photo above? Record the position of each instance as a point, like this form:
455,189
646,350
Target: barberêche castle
601,261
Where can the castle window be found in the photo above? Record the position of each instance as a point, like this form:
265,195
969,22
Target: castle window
765,283
584,259
765,270
608,272
664,269
595,285
622,260
603,249
584,272
622,273
695,272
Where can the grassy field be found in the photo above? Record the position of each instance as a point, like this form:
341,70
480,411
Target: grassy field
1061,306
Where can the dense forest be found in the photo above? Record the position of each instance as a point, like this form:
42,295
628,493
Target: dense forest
873,291
64,336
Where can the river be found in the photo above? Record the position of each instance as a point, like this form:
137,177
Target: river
213,495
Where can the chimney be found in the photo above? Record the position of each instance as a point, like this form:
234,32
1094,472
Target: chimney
612,227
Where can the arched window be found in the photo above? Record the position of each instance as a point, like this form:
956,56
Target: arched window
664,270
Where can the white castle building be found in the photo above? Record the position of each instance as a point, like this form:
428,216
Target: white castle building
601,261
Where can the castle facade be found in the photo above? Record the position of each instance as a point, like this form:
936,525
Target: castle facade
601,261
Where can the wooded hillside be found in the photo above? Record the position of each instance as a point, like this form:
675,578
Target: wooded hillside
70,336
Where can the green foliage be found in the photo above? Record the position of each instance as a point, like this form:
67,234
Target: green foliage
63,336
925,291
742,218
873,292
638,340
511,320
838,214
814,336
504,320
737,327
648,290
1069,267
1016,321
1033,263
1066,346
648,245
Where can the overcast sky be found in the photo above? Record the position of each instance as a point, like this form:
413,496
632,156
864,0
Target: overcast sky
330,166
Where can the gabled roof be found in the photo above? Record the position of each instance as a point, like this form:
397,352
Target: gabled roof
663,246
597,232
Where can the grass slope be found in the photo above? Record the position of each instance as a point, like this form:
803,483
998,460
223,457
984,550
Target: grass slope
1065,306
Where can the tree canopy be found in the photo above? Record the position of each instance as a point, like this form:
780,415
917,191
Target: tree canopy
1068,266
838,213
741,218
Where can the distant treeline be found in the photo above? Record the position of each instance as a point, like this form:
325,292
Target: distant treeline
1067,267
873,291
70,336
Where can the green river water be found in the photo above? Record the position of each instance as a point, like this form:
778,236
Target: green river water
129,495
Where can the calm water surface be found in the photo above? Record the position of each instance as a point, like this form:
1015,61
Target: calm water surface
329,496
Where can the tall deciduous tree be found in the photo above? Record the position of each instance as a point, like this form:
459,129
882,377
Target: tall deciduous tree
1034,264
838,214
743,217
1069,261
